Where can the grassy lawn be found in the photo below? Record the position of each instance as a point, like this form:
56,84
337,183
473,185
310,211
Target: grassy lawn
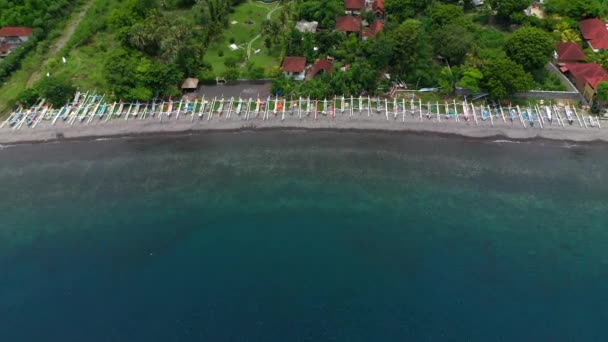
248,17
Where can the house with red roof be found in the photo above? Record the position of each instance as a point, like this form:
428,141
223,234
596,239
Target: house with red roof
12,37
320,66
595,33
586,77
354,6
376,27
378,9
294,67
349,24
5,50
15,34
569,52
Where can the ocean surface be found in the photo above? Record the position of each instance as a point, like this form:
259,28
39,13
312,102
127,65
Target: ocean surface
303,236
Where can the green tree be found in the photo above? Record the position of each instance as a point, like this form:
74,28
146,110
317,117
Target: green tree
506,10
600,58
56,90
400,10
379,51
602,93
28,97
322,11
443,14
471,79
453,42
531,47
409,42
575,8
503,77
447,80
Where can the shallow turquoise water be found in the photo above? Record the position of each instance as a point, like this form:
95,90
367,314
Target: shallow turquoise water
299,236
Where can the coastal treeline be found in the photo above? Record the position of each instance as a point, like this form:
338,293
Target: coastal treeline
143,49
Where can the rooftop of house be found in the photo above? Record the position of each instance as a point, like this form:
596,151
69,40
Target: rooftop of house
591,73
375,28
570,52
378,5
16,31
293,64
348,24
323,64
190,83
307,26
595,32
354,4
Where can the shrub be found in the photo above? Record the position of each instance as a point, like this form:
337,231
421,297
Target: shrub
207,77
232,74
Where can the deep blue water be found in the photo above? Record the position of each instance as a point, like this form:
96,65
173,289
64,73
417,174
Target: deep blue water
302,236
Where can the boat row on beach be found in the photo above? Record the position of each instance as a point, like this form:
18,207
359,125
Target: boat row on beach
86,107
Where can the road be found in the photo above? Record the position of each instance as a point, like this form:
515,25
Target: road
242,89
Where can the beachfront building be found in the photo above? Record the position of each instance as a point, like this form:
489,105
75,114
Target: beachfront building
595,33
320,67
586,77
294,67
190,85
569,52
12,37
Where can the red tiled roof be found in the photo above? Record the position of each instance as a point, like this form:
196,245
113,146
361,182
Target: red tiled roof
293,64
327,65
348,24
595,32
591,73
570,52
375,28
354,4
16,31
378,5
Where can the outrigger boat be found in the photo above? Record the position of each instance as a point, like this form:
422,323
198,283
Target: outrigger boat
549,114
484,114
221,106
201,112
531,118
569,116
239,107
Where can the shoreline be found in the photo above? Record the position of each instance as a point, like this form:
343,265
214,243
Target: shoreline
376,123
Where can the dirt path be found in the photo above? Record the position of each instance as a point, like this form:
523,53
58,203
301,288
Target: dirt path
60,43
268,17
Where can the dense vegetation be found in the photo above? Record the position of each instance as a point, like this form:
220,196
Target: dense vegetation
43,15
141,49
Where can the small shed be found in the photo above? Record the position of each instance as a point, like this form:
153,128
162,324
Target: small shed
190,84
307,26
